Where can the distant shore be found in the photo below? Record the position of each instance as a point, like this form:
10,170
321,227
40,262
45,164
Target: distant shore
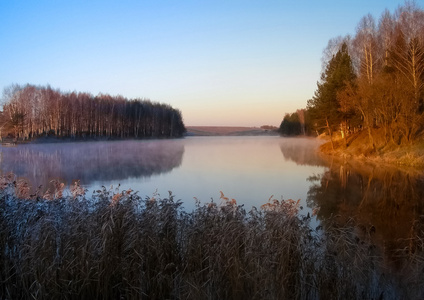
228,131
191,131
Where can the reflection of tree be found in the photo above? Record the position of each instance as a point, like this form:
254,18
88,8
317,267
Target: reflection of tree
385,202
91,161
302,151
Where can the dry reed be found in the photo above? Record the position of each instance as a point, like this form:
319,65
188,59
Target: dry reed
117,245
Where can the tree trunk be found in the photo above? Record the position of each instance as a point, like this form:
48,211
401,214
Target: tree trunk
330,133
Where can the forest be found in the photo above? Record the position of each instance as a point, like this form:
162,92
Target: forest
372,83
31,112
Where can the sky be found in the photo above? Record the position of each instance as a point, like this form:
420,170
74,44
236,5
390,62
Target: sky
221,63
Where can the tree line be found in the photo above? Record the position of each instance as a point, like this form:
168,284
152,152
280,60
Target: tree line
34,111
372,81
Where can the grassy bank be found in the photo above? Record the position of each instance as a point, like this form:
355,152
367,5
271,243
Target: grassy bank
114,244
358,146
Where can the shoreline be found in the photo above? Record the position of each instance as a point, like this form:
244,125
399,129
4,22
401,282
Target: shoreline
358,149
57,140
191,131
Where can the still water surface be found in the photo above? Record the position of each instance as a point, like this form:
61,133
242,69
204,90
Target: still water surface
248,169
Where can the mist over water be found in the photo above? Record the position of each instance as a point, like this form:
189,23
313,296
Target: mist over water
91,162
248,169
303,151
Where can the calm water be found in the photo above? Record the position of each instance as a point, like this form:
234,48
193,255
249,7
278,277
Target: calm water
248,169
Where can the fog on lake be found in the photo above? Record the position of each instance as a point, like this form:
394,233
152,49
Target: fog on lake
387,201
248,169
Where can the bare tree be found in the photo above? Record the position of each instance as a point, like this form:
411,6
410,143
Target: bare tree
386,29
301,115
408,50
35,111
365,47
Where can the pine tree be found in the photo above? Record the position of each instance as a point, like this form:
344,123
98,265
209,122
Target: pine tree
326,111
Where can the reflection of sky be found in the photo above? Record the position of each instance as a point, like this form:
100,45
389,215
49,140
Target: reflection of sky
248,169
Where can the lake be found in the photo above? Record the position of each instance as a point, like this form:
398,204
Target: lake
387,200
248,169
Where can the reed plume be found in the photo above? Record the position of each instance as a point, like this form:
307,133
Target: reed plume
115,244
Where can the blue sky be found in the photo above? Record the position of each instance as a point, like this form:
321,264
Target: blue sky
232,63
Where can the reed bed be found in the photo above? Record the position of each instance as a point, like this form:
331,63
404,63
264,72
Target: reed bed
117,245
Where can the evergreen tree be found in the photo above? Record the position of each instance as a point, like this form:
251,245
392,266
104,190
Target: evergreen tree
291,125
325,108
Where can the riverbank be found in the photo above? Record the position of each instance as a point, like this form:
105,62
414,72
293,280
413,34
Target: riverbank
358,147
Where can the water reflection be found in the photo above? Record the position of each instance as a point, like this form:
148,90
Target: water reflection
91,161
249,169
386,203
303,151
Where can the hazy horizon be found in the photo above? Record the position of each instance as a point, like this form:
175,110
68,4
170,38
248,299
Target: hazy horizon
236,63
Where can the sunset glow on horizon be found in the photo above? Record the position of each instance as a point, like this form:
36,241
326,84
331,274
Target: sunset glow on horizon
221,63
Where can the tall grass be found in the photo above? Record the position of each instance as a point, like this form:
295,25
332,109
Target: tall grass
116,245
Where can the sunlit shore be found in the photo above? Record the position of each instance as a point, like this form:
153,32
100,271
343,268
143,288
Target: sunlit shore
357,146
